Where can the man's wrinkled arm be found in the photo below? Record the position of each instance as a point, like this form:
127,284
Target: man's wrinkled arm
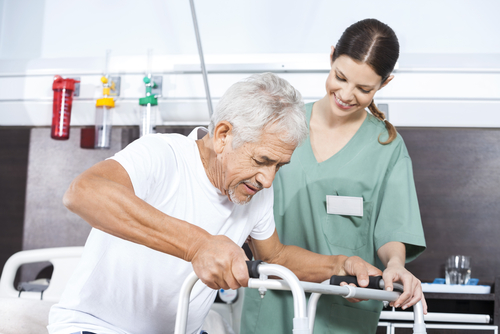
309,266
104,197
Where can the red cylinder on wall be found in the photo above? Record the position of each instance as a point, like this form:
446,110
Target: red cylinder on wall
61,107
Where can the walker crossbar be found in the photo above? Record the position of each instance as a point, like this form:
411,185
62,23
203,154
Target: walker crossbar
303,323
324,288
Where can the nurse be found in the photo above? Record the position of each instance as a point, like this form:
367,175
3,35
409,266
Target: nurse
348,190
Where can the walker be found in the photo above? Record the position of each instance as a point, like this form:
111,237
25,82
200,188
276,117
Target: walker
303,321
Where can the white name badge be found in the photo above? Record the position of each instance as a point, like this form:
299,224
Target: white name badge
344,205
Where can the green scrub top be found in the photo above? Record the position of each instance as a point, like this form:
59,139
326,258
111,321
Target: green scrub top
382,176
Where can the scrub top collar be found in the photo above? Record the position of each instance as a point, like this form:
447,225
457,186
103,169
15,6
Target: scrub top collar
306,155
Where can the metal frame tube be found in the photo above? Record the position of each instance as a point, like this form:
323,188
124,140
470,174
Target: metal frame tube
311,309
202,59
303,321
438,317
448,326
183,306
292,283
418,321
344,291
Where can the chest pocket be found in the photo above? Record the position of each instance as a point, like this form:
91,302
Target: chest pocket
349,232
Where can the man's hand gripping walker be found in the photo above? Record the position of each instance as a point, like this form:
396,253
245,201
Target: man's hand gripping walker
303,321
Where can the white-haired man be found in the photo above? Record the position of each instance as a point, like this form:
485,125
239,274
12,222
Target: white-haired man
167,205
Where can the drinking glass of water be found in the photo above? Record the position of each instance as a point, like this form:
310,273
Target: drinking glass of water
457,269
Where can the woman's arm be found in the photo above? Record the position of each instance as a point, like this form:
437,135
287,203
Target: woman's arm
393,256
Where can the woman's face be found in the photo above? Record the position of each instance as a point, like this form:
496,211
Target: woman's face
351,85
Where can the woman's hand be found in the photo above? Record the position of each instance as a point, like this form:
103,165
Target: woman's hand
412,288
393,256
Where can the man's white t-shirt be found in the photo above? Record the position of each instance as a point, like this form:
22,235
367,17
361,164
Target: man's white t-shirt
123,287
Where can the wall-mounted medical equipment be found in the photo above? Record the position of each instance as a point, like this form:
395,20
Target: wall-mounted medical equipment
149,103
149,108
103,116
104,108
61,106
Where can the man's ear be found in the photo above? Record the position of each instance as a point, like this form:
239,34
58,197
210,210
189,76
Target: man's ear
222,136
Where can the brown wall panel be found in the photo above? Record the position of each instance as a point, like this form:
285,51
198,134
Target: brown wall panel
457,176
14,148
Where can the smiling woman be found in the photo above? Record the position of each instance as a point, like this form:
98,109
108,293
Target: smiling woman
350,155
375,45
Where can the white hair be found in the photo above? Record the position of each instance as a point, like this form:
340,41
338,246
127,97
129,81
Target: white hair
262,102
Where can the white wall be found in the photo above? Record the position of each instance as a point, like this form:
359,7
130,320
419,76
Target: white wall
448,75
86,28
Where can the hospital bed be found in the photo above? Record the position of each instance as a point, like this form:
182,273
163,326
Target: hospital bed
26,312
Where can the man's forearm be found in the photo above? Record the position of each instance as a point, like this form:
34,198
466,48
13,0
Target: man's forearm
312,267
308,266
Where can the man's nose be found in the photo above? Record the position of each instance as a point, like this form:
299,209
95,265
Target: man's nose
266,176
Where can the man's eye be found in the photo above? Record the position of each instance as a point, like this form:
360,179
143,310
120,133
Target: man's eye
258,162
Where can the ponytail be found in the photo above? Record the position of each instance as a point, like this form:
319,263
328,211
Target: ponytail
381,116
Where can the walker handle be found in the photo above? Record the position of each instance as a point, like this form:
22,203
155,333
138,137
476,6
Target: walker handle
253,272
374,281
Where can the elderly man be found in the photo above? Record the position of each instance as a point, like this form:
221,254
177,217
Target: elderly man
167,205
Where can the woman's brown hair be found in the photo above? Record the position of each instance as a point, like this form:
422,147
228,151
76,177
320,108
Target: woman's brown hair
374,43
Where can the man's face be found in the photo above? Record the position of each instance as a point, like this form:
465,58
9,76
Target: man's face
253,166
